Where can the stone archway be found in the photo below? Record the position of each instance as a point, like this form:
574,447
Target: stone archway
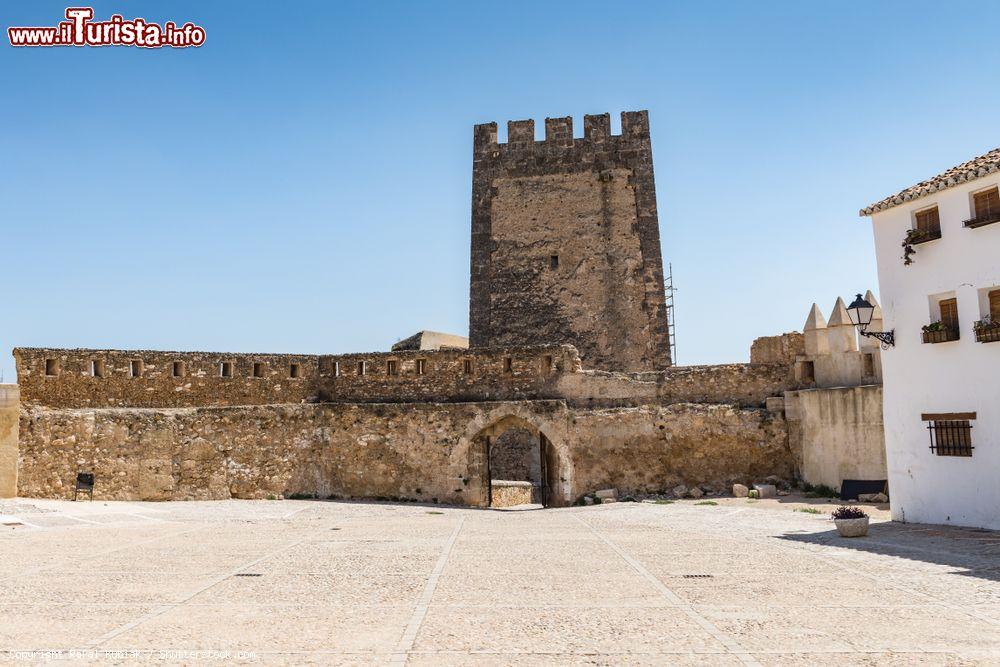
517,464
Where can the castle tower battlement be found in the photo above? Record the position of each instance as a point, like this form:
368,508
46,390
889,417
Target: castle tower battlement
559,134
566,241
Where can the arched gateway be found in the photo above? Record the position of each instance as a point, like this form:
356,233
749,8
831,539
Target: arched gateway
517,464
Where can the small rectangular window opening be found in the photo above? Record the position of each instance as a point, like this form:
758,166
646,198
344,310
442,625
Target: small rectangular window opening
467,366
179,369
554,261
226,369
52,367
808,371
869,364
362,367
258,369
97,368
293,370
508,365
951,433
135,368
421,366
391,367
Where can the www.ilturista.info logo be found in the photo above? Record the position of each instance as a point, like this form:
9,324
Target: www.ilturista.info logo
80,30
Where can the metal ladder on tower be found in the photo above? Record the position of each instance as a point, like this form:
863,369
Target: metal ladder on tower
669,289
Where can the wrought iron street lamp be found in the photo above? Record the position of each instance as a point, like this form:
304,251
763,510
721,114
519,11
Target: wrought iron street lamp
860,312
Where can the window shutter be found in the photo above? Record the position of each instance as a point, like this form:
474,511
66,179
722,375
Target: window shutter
995,305
928,221
987,203
949,313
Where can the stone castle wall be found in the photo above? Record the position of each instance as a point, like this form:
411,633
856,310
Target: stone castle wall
532,373
447,375
566,244
654,448
510,373
418,451
403,431
782,349
747,385
61,378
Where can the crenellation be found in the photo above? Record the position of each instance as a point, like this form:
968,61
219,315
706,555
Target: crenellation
635,126
559,131
484,139
521,133
597,128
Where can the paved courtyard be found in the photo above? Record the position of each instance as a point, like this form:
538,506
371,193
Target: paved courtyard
292,582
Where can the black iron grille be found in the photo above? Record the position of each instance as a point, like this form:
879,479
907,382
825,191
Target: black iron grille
951,437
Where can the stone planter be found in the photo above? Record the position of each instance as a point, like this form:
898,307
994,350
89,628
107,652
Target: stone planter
852,527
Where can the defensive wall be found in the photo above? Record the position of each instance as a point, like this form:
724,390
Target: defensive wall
414,429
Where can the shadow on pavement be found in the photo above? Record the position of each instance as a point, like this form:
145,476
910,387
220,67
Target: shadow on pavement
972,552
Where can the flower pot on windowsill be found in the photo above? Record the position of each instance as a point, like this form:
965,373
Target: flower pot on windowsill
936,332
852,527
987,330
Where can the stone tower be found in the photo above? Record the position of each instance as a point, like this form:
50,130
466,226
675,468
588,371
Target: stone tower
566,242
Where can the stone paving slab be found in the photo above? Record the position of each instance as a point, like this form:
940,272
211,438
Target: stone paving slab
599,630
351,583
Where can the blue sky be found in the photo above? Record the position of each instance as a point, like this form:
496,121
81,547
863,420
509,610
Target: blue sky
301,183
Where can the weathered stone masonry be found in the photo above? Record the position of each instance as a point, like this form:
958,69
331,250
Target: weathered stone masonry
566,242
369,437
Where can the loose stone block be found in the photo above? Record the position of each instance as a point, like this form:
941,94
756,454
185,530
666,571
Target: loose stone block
766,490
740,491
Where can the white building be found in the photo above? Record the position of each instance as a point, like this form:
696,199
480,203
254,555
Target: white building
942,378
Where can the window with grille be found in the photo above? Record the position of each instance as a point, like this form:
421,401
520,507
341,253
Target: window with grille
467,366
928,222
994,297
987,204
390,367
950,433
421,366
